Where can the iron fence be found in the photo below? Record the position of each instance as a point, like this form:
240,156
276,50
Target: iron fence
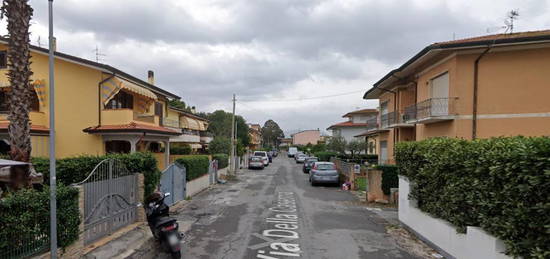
384,120
372,123
433,107
29,245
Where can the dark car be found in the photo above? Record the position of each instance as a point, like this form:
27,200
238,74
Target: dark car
270,156
308,164
275,153
323,172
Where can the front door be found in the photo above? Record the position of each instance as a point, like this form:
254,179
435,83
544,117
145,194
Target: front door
383,152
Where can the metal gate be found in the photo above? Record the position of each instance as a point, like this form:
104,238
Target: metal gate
110,199
173,181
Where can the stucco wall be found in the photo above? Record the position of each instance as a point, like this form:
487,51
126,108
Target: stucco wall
476,243
197,185
306,137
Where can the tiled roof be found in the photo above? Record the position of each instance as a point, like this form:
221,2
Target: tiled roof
347,124
132,127
34,128
497,36
362,111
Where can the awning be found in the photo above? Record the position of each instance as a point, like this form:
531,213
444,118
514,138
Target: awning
202,126
112,86
40,89
191,123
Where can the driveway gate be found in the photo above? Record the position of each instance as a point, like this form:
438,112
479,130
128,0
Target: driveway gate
110,199
173,181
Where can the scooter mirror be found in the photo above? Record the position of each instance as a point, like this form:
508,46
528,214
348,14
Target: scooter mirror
166,194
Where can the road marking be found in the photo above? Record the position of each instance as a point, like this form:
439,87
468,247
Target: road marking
280,239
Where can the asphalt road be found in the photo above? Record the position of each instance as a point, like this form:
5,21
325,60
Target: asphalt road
275,213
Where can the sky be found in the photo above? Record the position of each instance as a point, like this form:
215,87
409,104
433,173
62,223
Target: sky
302,63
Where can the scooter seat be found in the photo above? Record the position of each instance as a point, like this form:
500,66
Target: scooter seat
164,221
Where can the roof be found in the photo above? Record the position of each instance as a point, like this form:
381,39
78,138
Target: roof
186,113
362,111
474,42
103,67
347,124
303,131
131,127
34,128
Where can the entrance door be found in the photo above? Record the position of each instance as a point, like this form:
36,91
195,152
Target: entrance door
383,152
440,95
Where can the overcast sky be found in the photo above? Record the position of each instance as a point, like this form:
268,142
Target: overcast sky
271,53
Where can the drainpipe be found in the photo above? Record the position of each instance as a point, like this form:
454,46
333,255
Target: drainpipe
474,106
99,95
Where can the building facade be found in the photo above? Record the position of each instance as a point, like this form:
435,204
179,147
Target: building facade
193,129
99,109
481,87
354,126
255,134
305,137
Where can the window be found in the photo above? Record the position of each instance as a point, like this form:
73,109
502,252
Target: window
4,107
122,100
35,103
384,108
3,59
3,101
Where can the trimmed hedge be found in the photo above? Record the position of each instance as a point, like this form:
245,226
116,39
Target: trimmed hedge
223,160
196,166
184,149
325,155
76,169
25,217
498,184
389,177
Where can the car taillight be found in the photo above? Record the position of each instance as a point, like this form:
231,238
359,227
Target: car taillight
168,228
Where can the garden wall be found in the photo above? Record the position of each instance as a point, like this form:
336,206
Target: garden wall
197,185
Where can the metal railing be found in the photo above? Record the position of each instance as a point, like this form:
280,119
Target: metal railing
433,107
149,118
372,123
384,120
190,132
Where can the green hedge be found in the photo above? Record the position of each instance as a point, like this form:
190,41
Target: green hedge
389,177
196,166
325,155
223,160
76,169
498,184
184,149
25,217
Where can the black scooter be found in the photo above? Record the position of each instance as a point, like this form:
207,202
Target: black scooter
163,227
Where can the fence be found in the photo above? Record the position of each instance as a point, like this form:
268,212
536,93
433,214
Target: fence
173,181
110,199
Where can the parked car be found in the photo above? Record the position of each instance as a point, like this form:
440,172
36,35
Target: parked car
270,156
263,155
308,164
301,158
292,151
255,162
297,155
323,172
275,153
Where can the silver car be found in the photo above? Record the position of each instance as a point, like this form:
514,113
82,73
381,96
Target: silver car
323,172
301,158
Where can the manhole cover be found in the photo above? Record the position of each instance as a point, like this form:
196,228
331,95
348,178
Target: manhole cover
232,190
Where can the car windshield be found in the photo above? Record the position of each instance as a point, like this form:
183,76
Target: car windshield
259,153
325,167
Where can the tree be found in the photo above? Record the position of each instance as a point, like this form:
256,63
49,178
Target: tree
220,145
271,133
337,144
356,146
19,13
220,125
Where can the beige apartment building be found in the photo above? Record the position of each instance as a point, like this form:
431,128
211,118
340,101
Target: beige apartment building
305,137
495,85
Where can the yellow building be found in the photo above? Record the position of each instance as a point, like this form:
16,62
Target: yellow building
192,127
495,85
255,133
99,109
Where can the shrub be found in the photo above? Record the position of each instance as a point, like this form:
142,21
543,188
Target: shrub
184,149
325,155
76,169
389,177
223,160
220,145
25,217
196,165
498,184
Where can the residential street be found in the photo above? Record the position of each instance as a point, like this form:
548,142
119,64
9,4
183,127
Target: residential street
230,221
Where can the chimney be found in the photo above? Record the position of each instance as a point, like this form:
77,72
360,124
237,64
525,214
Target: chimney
193,110
151,77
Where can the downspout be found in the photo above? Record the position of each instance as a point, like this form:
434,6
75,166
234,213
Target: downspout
474,106
99,97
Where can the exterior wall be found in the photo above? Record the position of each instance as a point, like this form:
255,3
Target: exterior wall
197,185
77,101
442,235
349,133
306,137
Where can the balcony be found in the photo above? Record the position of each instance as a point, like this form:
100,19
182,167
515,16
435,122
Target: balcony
431,110
171,123
397,119
126,116
36,118
206,137
372,123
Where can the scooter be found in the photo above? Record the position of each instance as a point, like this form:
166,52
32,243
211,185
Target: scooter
163,227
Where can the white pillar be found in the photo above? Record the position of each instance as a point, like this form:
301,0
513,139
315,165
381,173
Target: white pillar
167,153
133,144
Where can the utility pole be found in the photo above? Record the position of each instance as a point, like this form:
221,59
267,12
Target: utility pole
232,161
53,187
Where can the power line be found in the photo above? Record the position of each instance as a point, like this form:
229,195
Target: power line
305,98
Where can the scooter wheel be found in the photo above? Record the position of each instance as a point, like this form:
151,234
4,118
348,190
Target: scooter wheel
176,255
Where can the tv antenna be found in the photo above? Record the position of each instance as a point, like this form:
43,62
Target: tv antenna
510,18
38,42
98,54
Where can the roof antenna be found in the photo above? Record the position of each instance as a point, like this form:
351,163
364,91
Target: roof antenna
98,54
510,17
38,42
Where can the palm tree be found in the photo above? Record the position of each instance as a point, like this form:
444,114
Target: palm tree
18,13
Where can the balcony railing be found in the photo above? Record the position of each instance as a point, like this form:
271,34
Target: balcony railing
148,118
384,120
171,123
372,123
431,109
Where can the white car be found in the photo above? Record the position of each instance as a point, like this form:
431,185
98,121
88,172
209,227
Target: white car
301,158
263,155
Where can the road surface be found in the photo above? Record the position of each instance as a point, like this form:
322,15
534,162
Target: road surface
275,213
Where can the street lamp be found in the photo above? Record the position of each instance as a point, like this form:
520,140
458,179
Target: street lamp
53,188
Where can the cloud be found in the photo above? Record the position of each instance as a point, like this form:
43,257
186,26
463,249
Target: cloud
270,50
